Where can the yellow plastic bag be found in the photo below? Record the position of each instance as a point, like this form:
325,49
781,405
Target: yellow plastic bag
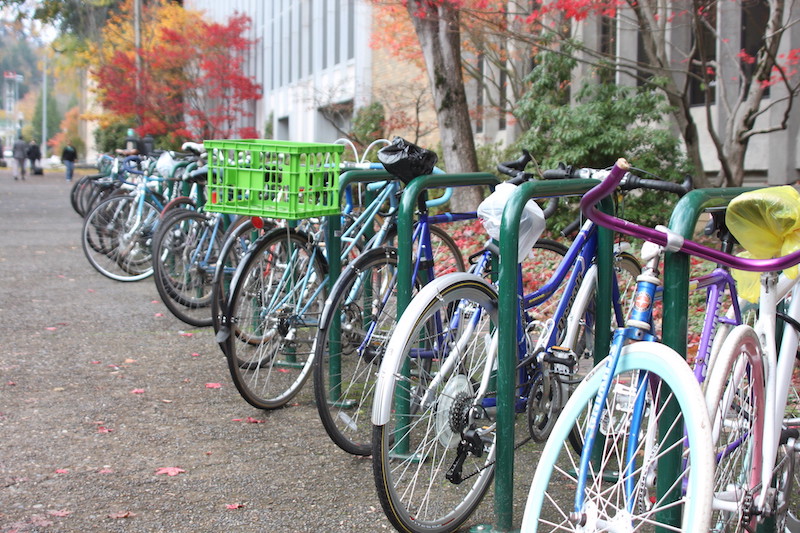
766,223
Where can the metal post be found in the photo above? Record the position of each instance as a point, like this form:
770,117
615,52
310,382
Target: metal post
509,306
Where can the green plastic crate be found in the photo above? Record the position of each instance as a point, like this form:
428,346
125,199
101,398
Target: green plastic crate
276,179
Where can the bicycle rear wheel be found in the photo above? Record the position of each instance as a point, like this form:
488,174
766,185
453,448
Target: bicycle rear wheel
735,396
433,440
276,300
638,478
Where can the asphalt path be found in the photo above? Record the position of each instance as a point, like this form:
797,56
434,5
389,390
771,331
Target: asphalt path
116,416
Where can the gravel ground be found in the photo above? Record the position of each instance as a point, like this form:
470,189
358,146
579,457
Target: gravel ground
103,395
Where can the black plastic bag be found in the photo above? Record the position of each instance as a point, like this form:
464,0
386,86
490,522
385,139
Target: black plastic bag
406,160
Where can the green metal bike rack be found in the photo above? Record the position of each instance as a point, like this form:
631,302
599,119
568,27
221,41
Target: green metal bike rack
333,243
405,233
507,314
676,303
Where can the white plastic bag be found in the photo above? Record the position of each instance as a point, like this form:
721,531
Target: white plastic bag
531,224
164,165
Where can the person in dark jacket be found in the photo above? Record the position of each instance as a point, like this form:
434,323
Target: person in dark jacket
68,156
34,155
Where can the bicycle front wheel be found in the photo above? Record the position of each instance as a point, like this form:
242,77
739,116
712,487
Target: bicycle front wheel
117,238
433,438
185,252
364,300
651,464
276,300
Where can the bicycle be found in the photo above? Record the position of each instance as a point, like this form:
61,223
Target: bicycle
645,462
276,298
434,425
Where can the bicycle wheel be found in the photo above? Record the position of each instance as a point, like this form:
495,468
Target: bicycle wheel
629,473
364,298
117,238
275,302
735,397
185,252
433,440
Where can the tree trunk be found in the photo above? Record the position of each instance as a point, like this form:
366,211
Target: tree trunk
437,28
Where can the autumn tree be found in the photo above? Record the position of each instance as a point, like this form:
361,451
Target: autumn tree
185,80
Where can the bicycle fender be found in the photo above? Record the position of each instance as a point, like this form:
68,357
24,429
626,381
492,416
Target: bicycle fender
393,357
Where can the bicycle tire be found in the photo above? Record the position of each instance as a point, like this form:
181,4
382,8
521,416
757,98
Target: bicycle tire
433,405
270,355
735,395
185,251
343,392
111,243
551,500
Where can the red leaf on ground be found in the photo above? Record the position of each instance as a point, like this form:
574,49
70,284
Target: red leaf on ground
51,328
89,290
170,471
137,391
213,385
103,429
234,505
62,512
159,315
122,514
105,471
155,302
185,334
62,471
252,420
11,383
94,362
236,420
195,354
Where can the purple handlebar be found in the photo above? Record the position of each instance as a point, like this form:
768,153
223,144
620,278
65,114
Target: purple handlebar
610,183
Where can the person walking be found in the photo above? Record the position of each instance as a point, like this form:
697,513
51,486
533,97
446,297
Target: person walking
68,156
34,155
20,150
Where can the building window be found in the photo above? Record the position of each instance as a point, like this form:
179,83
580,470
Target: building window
703,77
755,15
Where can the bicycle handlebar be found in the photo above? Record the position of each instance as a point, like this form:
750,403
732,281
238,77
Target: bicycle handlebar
665,237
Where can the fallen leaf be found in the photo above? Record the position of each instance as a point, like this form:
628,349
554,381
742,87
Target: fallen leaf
105,471
122,514
89,290
236,420
252,420
11,383
185,333
155,302
137,391
234,505
51,329
195,354
129,361
103,429
94,362
159,315
62,471
170,471
213,385
62,512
